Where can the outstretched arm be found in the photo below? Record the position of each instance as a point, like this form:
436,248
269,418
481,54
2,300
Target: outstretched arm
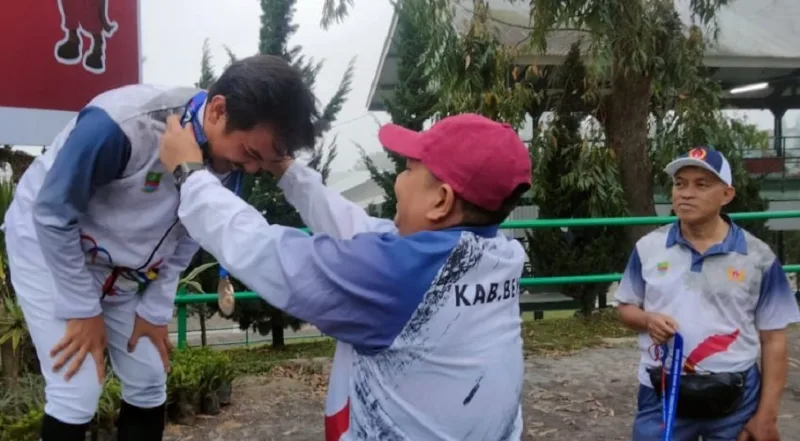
360,291
95,153
324,210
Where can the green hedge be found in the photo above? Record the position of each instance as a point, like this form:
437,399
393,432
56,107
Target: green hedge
199,382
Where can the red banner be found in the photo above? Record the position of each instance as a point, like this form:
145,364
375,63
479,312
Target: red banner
59,54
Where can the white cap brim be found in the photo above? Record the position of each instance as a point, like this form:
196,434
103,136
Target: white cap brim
673,167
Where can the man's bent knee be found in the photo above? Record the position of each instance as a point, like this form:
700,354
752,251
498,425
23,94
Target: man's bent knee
146,397
73,403
146,389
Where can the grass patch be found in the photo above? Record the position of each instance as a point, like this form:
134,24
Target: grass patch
557,336
263,359
565,313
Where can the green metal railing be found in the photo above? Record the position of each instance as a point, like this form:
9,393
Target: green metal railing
182,299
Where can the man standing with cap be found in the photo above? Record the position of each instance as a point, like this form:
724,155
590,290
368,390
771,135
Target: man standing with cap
426,312
725,292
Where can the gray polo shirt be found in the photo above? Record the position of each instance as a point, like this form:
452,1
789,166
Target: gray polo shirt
720,299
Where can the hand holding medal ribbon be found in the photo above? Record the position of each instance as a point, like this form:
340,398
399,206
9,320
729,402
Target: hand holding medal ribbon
669,398
225,290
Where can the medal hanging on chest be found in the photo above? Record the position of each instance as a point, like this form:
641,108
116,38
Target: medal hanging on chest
190,115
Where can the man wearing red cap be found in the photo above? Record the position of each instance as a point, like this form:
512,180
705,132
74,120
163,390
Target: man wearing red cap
425,309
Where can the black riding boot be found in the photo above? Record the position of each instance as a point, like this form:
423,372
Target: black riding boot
55,430
137,424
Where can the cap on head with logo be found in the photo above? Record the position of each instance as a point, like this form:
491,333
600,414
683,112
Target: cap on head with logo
706,158
484,161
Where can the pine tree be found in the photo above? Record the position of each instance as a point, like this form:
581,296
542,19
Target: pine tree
261,190
207,75
412,103
335,11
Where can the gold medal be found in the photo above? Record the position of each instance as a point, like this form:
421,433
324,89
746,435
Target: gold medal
226,301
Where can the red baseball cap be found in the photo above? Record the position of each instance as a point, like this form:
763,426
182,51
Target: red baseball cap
483,160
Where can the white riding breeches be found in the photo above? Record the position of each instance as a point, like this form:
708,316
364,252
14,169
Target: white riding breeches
141,372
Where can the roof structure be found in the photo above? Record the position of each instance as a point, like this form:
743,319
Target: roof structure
756,44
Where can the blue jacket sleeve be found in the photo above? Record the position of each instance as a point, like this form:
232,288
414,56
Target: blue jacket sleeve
361,291
777,306
323,209
632,286
95,153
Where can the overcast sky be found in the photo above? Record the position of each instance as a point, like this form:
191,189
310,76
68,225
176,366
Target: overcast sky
172,40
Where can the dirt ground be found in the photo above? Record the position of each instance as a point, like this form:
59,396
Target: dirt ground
586,396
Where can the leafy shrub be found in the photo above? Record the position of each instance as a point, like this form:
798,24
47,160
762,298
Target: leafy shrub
22,409
199,382
23,427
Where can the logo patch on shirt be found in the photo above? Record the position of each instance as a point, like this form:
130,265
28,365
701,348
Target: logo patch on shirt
736,275
151,182
662,267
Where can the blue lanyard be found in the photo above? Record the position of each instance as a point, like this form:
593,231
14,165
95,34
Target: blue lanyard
669,399
190,116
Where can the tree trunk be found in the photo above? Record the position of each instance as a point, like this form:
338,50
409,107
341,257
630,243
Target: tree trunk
276,322
587,303
602,300
626,131
202,325
10,362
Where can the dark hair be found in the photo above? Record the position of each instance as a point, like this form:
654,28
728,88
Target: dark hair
267,90
479,217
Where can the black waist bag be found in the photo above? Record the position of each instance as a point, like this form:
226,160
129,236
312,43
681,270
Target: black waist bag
705,396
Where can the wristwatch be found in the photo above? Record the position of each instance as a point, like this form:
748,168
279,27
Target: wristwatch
185,169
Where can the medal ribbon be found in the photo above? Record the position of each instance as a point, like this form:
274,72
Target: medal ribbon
190,116
669,399
193,108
